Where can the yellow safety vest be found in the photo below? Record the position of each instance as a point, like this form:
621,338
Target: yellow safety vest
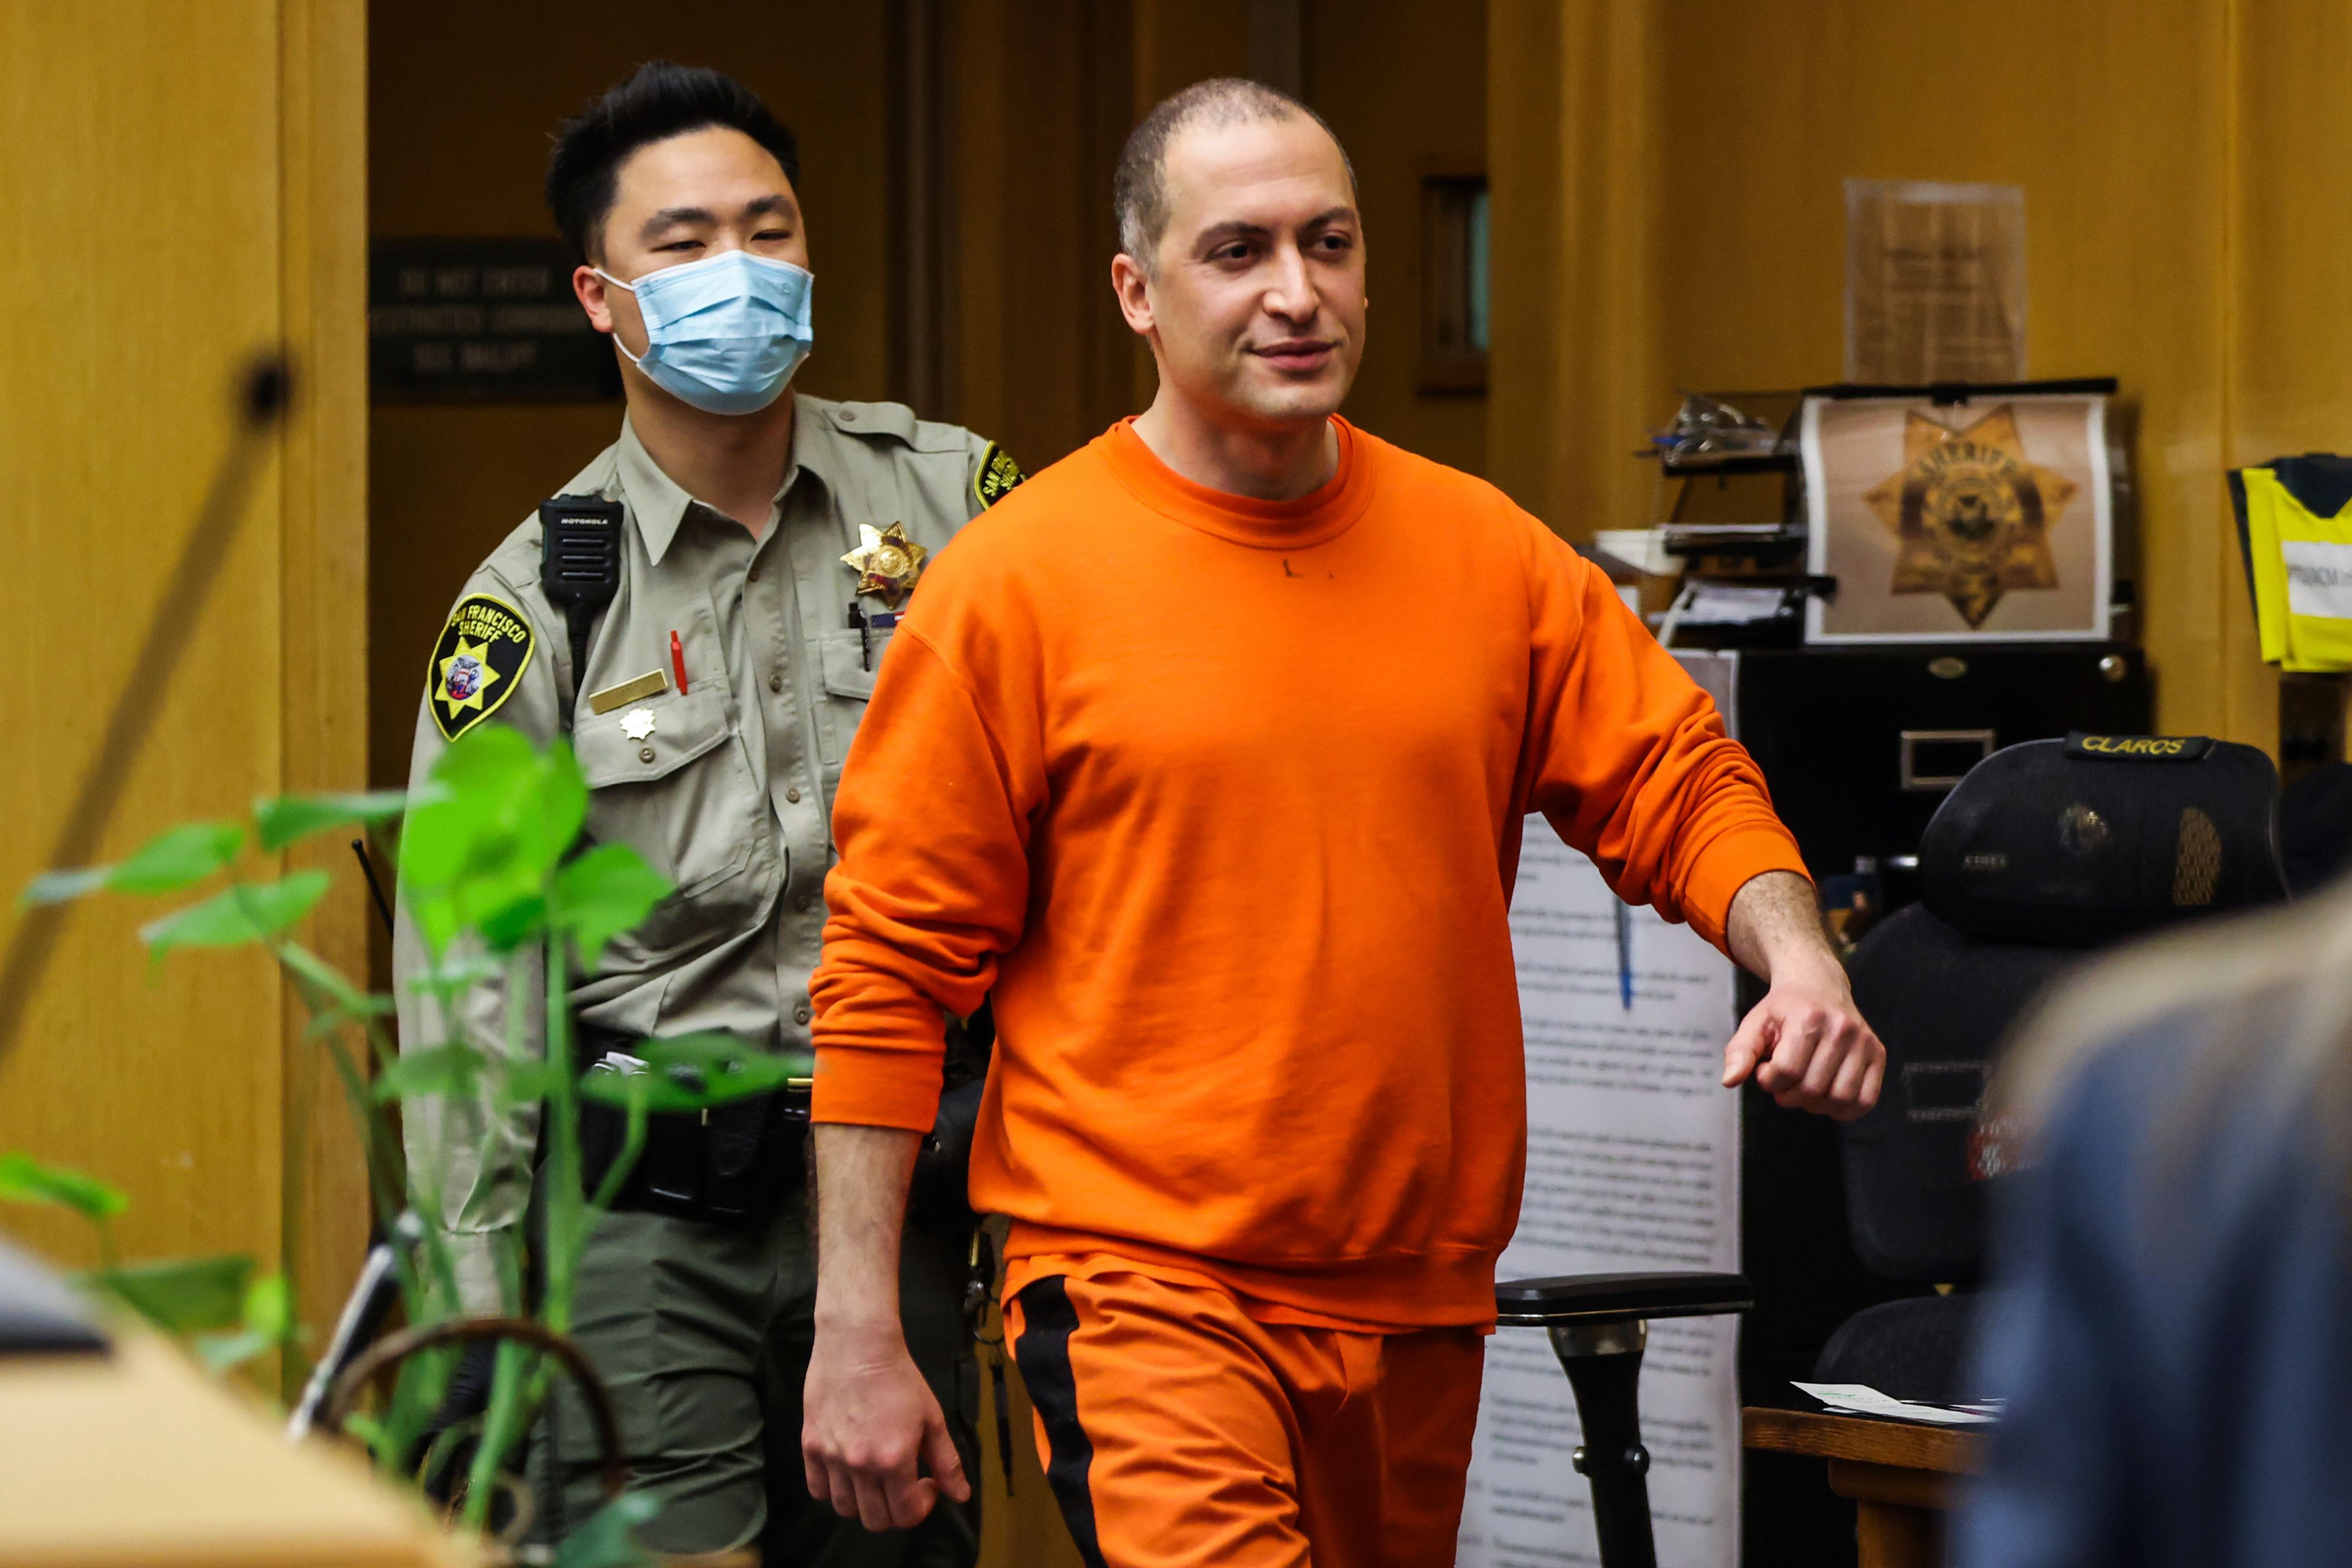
2302,565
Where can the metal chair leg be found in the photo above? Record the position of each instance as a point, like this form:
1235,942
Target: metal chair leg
1604,1362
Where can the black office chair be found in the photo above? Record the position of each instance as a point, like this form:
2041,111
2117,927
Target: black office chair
2315,828
2043,851
1599,1325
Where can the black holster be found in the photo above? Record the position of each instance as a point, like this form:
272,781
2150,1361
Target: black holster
732,1164
939,1196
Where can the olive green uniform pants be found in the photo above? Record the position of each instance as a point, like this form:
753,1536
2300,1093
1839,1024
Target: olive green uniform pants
702,1333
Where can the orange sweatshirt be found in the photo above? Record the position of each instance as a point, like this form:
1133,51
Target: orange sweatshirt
1221,800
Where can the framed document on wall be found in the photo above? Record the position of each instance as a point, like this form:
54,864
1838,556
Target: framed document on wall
1992,517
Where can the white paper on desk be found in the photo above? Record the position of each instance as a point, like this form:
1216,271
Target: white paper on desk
1632,1163
1864,1400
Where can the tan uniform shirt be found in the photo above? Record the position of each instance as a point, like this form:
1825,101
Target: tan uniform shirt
726,786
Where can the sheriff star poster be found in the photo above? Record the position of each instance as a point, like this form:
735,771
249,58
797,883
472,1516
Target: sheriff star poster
1990,519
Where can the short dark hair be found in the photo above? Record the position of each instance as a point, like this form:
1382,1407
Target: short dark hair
1139,191
657,102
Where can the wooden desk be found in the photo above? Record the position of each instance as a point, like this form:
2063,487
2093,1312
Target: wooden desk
138,1458
1898,1473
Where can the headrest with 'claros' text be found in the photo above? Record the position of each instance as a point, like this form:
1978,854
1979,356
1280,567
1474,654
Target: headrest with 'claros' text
2079,841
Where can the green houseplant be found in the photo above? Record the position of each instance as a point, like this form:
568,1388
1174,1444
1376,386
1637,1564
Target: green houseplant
494,872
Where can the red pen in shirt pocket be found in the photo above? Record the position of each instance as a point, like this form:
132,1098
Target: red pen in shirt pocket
677,662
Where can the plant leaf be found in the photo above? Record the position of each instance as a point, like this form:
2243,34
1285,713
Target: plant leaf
268,1323
461,974
454,1069
331,983
608,891
605,1539
178,857
270,1308
237,915
280,822
182,1296
330,1019
63,887
507,816
513,924
695,1072
220,1352
25,1180
525,1081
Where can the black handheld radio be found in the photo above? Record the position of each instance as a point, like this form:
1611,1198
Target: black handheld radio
580,569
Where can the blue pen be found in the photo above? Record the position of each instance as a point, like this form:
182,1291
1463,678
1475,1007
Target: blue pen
1624,956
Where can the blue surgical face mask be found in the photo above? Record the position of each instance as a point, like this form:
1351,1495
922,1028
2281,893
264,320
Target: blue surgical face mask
724,333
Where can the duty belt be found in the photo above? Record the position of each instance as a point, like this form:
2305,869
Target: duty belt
730,1165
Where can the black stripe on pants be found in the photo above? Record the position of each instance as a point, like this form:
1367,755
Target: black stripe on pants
1047,1321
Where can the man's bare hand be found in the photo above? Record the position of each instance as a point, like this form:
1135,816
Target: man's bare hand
1808,1048
871,1428
870,1424
1805,1044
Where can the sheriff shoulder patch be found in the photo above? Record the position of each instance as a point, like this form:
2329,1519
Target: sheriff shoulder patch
999,476
478,663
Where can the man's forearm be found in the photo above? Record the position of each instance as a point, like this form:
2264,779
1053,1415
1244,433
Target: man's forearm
1805,1043
1774,924
861,1199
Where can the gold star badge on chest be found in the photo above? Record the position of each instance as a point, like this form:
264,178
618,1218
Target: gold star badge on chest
1972,514
887,562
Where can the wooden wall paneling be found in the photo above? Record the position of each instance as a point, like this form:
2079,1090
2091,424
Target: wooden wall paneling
923,200
323,55
981,42
1365,61
1180,42
1026,1529
1573,161
1176,44
2110,113
2290,261
1042,106
115,410
1669,213
201,128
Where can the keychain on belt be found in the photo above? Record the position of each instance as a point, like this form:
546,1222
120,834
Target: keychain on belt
978,1298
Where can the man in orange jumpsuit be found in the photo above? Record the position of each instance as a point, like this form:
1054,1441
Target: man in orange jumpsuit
1206,754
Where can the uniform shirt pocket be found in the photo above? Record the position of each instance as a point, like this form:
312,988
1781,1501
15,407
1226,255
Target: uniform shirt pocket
681,794
849,668
850,664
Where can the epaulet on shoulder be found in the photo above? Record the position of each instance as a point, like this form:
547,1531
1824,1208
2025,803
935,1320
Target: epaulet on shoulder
886,421
515,560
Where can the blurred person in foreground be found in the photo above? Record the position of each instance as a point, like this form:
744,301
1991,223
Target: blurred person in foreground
1209,750
2173,1328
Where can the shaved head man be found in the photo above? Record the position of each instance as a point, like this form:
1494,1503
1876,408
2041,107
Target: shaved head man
1206,757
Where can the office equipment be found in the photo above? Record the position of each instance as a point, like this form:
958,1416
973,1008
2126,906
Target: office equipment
2046,850
1859,747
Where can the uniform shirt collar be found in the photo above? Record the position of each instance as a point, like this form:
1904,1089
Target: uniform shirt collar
659,503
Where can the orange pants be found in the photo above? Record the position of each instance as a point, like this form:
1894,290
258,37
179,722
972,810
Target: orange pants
1178,1433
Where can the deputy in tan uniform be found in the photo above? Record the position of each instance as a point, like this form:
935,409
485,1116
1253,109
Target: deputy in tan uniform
766,542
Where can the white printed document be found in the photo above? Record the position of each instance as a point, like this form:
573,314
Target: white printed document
1633,1164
